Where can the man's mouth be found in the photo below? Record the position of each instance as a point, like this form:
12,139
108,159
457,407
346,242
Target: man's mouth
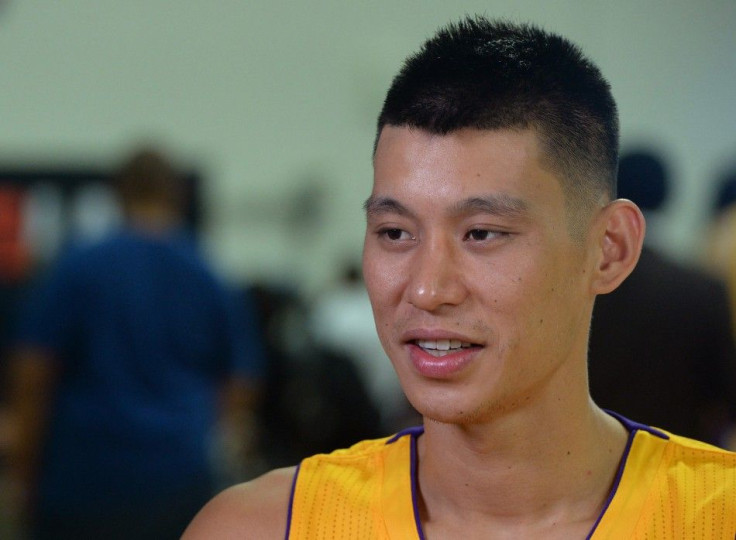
442,347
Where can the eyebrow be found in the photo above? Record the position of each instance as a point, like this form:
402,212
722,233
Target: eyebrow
385,205
502,205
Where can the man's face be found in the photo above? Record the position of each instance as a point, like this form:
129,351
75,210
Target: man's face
481,297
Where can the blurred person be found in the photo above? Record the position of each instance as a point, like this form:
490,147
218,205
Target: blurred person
661,347
719,253
314,399
341,321
720,246
492,226
130,356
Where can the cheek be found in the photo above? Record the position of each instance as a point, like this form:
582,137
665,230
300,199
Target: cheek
382,287
520,299
382,279
508,286
554,305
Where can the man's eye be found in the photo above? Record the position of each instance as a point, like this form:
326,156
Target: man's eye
395,234
478,234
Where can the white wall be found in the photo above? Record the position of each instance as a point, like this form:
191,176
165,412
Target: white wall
264,95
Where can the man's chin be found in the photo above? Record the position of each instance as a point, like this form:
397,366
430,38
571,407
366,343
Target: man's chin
443,413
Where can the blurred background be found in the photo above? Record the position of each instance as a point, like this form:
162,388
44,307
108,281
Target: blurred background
274,103
269,108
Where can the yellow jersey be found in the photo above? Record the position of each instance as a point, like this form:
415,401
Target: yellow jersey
667,487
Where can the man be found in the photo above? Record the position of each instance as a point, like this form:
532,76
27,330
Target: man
123,356
491,228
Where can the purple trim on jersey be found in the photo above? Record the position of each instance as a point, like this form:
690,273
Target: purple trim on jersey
291,503
632,427
415,480
616,481
414,432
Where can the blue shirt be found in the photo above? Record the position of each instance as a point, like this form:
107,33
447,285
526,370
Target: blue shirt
144,335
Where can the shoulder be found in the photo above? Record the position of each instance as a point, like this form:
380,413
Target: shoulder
693,446
255,509
691,450
360,456
686,485
689,466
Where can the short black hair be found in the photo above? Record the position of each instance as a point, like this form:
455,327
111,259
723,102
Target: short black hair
491,75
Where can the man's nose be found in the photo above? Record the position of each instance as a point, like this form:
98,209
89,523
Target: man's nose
436,276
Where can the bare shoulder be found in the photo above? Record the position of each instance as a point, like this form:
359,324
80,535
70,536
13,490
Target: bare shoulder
255,509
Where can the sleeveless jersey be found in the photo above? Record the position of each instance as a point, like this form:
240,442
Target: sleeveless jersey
666,487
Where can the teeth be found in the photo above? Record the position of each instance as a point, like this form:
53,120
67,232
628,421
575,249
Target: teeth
442,344
437,353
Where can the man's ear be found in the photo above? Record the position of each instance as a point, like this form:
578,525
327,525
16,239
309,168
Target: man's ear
619,235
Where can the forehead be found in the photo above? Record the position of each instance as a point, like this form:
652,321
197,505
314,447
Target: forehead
412,164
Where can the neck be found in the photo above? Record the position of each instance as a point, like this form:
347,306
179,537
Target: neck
531,467
153,219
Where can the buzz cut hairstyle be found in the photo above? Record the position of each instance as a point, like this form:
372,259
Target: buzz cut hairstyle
492,75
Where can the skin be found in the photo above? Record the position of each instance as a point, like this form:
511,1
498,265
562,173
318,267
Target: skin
501,273
468,240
